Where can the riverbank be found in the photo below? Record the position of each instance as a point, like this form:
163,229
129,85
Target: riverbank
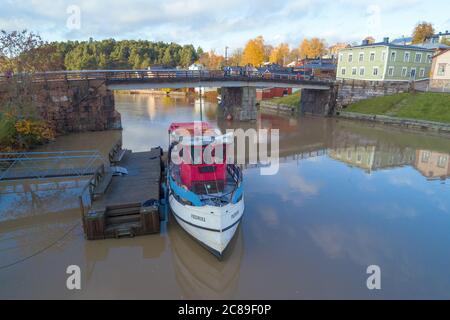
423,111
423,107
287,104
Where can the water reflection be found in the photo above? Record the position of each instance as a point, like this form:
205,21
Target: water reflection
198,273
347,195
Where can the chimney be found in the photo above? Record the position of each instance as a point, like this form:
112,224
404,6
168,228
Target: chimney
365,42
386,40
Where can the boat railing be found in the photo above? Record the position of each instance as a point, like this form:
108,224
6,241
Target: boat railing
231,196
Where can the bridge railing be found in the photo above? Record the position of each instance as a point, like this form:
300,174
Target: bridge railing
149,75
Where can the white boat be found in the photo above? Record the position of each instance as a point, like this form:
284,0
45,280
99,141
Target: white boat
207,200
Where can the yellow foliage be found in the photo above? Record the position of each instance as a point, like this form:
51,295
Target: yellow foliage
279,54
254,52
313,48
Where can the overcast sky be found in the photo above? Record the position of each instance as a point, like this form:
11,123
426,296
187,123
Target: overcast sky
214,24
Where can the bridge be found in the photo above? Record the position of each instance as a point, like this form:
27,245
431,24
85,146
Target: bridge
78,89
177,79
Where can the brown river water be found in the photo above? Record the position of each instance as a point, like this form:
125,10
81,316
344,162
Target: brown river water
348,195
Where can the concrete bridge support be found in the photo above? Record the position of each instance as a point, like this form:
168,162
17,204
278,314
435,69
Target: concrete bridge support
318,102
239,103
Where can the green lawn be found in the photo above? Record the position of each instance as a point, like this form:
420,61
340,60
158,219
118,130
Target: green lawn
424,106
290,100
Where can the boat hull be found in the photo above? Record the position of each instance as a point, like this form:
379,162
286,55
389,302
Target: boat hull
213,227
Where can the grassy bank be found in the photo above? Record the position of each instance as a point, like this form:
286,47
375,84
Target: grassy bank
292,100
422,106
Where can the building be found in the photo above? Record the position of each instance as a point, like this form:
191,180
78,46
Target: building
439,37
197,67
433,165
384,61
440,71
334,50
270,93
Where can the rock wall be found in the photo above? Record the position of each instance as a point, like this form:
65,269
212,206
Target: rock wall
239,103
76,106
318,102
351,91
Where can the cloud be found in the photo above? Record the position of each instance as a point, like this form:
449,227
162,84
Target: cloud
216,23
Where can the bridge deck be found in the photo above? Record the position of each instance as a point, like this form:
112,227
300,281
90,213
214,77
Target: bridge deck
116,79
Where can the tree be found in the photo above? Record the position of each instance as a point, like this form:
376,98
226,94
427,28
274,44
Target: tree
212,61
254,52
235,58
280,54
187,56
313,48
421,31
23,51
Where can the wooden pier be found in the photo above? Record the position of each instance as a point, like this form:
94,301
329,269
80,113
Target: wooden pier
126,205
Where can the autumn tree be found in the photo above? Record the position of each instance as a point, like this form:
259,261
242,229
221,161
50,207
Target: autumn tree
23,51
235,58
280,54
313,48
422,31
254,52
211,60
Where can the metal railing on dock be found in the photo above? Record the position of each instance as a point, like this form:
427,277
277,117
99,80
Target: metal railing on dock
40,165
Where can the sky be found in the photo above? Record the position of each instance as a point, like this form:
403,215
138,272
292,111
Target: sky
215,24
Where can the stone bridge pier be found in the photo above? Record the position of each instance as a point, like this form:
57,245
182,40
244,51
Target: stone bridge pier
238,104
318,102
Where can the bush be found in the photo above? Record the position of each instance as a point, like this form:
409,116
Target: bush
18,134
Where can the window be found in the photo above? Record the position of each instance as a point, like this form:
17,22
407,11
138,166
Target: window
372,56
425,157
393,55
404,72
350,57
391,71
361,71
343,71
361,57
406,57
359,158
418,57
354,71
441,69
383,56
375,71
413,73
422,72
442,161
429,58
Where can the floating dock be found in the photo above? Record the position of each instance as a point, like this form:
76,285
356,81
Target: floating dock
125,205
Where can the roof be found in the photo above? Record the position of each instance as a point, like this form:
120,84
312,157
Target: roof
402,40
327,66
441,53
391,45
440,34
433,46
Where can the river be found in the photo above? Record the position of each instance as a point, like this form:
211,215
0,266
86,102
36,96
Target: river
348,195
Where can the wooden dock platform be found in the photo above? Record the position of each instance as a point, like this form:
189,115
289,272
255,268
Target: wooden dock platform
127,205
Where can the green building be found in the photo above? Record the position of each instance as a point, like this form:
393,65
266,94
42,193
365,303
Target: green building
384,61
